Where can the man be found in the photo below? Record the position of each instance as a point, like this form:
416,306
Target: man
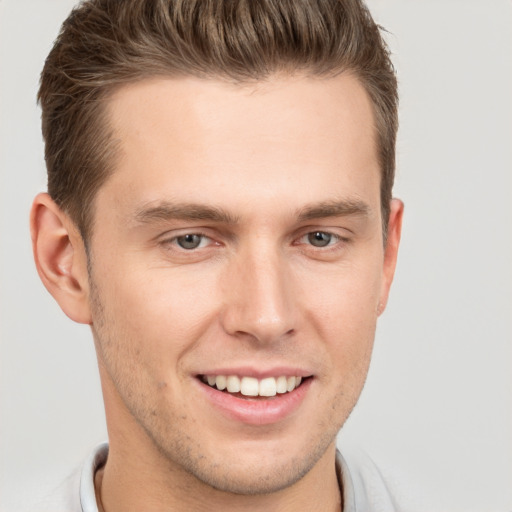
219,212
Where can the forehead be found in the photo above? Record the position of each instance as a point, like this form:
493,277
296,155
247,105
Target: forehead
203,137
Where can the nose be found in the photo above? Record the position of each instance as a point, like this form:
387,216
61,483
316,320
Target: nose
259,299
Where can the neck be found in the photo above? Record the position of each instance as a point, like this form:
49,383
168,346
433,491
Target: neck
139,476
132,485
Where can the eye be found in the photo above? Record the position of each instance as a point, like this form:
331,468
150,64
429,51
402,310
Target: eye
191,241
321,238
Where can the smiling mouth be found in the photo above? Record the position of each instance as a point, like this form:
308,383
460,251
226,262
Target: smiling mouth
251,386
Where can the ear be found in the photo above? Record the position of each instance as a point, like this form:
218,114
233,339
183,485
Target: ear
60,257
391,250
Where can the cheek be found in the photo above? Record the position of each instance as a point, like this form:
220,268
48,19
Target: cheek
341,308
343,300
158,312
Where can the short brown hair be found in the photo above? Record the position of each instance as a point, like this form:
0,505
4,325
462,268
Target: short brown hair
104,44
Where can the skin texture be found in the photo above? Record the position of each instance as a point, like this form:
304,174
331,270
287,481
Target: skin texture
272,163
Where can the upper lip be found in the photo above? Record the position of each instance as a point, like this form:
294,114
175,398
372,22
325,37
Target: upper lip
258,373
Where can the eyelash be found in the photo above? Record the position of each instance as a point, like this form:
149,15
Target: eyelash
174,241
335,238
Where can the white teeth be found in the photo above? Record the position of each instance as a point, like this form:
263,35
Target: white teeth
268,387
233,384
281,385
220,382
250,386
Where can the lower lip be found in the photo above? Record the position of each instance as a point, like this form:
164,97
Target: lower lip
260,411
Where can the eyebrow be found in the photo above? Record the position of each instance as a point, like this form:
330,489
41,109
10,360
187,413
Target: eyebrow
166,211
183,211
342,208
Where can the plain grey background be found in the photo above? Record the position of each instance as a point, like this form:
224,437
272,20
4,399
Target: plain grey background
437,408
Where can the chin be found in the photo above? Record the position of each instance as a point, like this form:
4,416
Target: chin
254,468
253,478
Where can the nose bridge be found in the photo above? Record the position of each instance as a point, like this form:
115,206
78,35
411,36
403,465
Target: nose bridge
260,297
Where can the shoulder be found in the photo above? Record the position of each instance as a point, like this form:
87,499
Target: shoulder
364,487
64,498
76,493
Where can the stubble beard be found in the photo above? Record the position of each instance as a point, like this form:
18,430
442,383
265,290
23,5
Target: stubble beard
177,451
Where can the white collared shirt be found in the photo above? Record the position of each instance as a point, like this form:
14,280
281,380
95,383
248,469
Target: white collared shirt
363,486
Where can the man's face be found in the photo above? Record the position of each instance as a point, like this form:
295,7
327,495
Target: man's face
240,235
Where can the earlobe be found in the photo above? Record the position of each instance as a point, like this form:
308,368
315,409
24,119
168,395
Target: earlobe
391,250
60,258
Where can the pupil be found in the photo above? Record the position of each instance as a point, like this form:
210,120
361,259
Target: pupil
319,238
189,241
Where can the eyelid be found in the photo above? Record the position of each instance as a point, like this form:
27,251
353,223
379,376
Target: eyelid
176,232
341,233
203,242
171,239
335,236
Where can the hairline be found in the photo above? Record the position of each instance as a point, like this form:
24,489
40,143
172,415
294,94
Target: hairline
86,223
